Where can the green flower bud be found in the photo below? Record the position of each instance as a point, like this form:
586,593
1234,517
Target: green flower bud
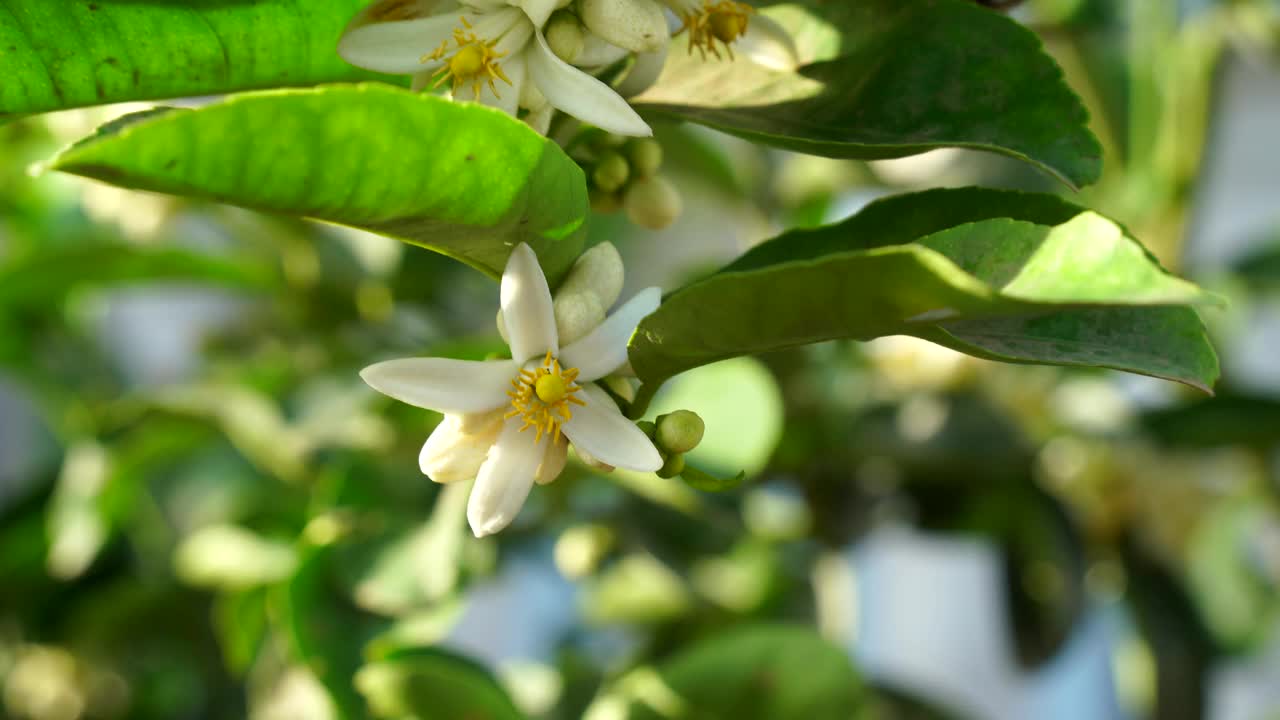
652,203
646,156
648,428
576,315
605,202
611,173
565,36
672,467
637,25
680,431
598,271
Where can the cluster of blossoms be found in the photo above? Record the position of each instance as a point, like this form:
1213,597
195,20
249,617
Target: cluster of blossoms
530,57
509,423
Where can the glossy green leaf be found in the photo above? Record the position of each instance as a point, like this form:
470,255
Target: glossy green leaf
1001,275
57,54
766,672
883,79
460,179
429,684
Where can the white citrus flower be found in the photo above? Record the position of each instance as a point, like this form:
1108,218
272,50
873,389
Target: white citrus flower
525,404
712,21
491,51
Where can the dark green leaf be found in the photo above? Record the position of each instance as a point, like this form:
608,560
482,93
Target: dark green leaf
1226,420
57,54
888,78
430,684
1008,276
460,179
766,672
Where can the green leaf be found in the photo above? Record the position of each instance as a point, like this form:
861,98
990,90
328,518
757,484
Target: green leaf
710,483
46,277
323,630
769,672
57,54
430,684
463,180
887,78
1214,422
1000,275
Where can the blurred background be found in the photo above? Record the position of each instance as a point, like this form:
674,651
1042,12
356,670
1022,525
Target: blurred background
205,514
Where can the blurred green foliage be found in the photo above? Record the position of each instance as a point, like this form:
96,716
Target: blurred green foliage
239,529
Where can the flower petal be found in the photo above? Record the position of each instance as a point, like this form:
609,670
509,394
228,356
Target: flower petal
458,446
604,349
600,429
598,52
396,46
504,480
526,307
508,96
441,384
553,461
538,10
580,95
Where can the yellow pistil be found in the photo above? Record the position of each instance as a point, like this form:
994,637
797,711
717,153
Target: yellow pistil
473,60
541,397
719,20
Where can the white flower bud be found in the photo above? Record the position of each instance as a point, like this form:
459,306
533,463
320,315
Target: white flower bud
565,37
598,271
458,446
653,202
553,461
576,315
598,52
644,72
637,25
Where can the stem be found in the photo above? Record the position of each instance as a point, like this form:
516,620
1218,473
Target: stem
644,396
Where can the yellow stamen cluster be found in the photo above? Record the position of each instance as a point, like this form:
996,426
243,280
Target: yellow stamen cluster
542,396
474,60
718,20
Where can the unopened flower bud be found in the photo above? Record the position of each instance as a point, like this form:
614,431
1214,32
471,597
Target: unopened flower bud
679,432
637,25
652,202
598,271
576,315
564,35
605,202
672,467
611,173
646,156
